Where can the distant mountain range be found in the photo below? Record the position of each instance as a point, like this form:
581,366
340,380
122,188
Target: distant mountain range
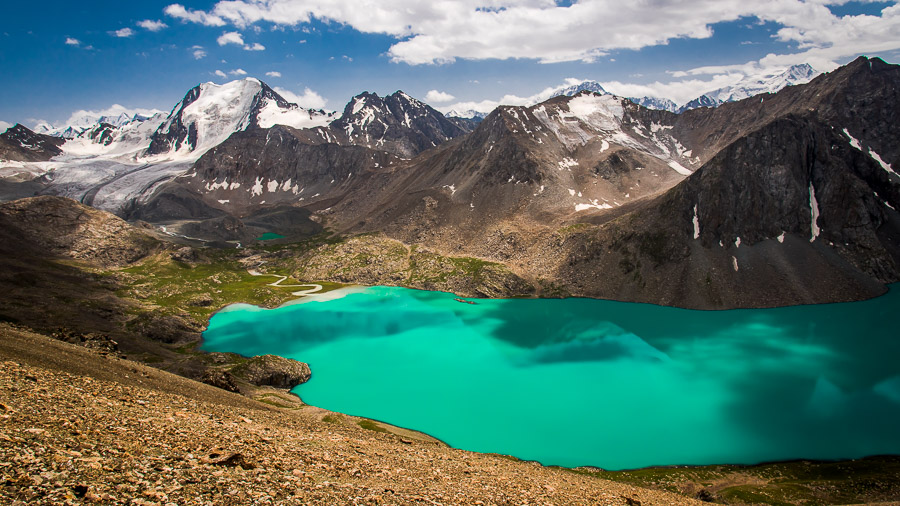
748,87
584,194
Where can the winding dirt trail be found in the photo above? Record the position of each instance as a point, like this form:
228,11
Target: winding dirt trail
309,291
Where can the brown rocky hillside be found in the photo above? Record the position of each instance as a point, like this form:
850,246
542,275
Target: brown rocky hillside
79,428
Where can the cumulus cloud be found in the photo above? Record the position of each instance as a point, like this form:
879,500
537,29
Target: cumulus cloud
178,11
230,38
4,126
221,74
435,96
72,41
238,39
238,72
123,32
440,32
273,74
153,26
488,105
198,52
309,98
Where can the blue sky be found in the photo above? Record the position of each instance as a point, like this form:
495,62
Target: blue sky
61,57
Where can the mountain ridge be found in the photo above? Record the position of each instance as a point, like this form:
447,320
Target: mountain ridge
512,189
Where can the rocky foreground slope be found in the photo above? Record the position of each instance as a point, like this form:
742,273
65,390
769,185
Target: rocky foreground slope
79,428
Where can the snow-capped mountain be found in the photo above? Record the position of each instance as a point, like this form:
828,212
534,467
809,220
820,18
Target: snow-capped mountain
661,104
85,122
210,113
571,91
129,138
397,123
751,86
466,114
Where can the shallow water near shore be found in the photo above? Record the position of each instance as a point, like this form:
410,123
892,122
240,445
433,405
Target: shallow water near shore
588,382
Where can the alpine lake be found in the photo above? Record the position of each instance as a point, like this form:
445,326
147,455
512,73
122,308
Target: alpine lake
583,382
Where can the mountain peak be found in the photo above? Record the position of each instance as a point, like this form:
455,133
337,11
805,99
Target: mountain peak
755,85
592,86
211,112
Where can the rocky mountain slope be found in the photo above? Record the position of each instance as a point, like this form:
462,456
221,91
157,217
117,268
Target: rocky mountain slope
397,123
539,188
792,209
754,179
579,192
22,145
282,165
77,426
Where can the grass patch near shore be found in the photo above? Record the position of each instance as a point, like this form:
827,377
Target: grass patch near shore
370,425
868,480
199,289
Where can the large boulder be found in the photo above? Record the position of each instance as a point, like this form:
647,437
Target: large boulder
272,370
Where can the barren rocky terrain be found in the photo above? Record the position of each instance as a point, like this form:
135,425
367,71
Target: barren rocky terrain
77,427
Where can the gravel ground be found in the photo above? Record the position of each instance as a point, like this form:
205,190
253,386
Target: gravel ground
79,427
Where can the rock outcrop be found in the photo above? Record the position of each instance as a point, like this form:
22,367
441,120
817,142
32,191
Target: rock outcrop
66,228
21,144
272,370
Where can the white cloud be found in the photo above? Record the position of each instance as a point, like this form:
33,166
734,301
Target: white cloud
4,126
487,106
153,26
221,74
72,42
199,53
179,12
230,38
237,38
238,72
440,32
273,74
435,96
123,32
309,99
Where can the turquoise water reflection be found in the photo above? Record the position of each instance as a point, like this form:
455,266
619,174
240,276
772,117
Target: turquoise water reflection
588,382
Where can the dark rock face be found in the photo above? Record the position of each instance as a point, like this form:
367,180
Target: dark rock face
103,133
91,340
272,370
220,379
174,203
164,328
21,144
397,123
259,168
67,228
776,223
174,132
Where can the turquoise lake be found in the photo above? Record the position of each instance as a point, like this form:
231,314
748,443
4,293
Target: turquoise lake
588,382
